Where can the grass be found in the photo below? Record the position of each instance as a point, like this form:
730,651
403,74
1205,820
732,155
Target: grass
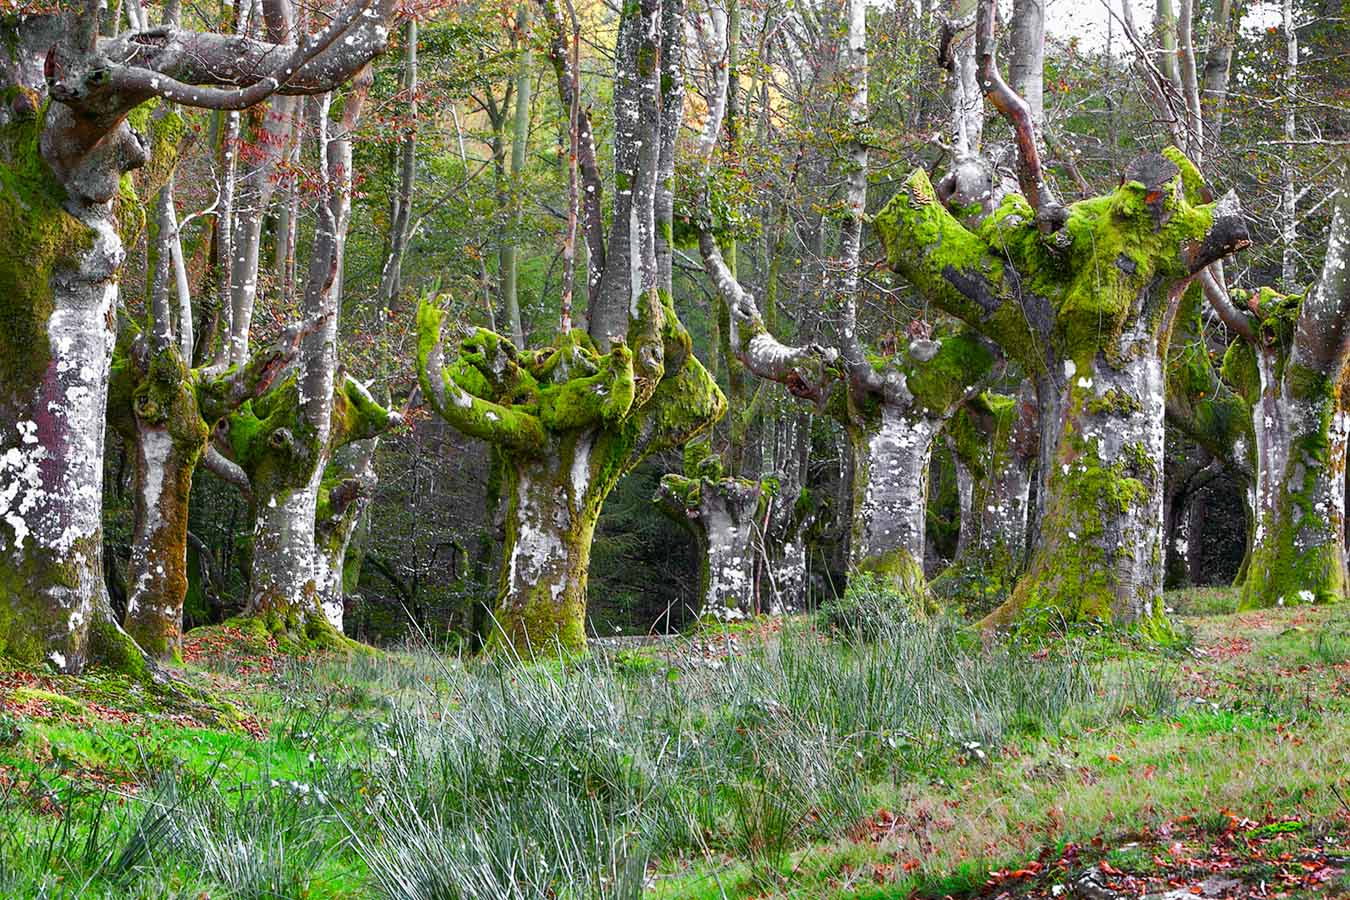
786,763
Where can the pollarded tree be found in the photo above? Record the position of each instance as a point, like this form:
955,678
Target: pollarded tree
892,407
570,419
1080,297
1292,378
725,515
1291,463
279,444
67,144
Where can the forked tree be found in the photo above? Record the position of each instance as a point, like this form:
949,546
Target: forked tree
66,144
1079,296
570,419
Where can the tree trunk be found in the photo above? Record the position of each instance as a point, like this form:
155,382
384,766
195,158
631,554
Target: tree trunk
286,467
64,219
723,514
994,440
1100,554
1299,552
890,499
154,407
551,518
519,144
252,197
58,295
1292,379
1092,336
400,226
344,495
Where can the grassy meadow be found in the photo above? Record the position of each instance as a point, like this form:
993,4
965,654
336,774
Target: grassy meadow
778,758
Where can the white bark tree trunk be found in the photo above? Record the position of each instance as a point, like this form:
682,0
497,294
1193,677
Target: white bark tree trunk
891,498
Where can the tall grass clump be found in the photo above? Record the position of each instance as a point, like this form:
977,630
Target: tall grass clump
513,781
433,778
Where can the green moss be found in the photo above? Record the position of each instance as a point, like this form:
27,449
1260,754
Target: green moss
356,414
1113,402
941,382
1110,252
40,238
540,408
902,574
948,264
1239,370
112,648
1073,579
24,617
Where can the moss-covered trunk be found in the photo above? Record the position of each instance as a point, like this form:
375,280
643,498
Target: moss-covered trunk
1298,552
890,498
994,442
1082,298
550,522
153,405
58,294
1296,548
343,497
157,572
1100,555
723,514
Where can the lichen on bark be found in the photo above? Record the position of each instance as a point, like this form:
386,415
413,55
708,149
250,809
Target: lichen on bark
285,459
1082,306
993,438
725,515
567,423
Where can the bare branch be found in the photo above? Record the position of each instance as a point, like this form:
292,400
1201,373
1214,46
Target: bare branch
1050,214
180,66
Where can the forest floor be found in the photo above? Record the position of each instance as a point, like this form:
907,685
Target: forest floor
761,761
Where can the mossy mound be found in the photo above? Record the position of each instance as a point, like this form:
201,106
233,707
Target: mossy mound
102,696
254,642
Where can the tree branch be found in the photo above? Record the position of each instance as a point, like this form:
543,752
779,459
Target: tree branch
1050,214
808,372
179,65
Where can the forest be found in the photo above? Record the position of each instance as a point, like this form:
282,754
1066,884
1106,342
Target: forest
674,448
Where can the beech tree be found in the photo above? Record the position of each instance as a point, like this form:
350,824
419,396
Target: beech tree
892,408
725,515
1079,296
1296,546
284,441
66,210
569,419
166,413
1292,379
